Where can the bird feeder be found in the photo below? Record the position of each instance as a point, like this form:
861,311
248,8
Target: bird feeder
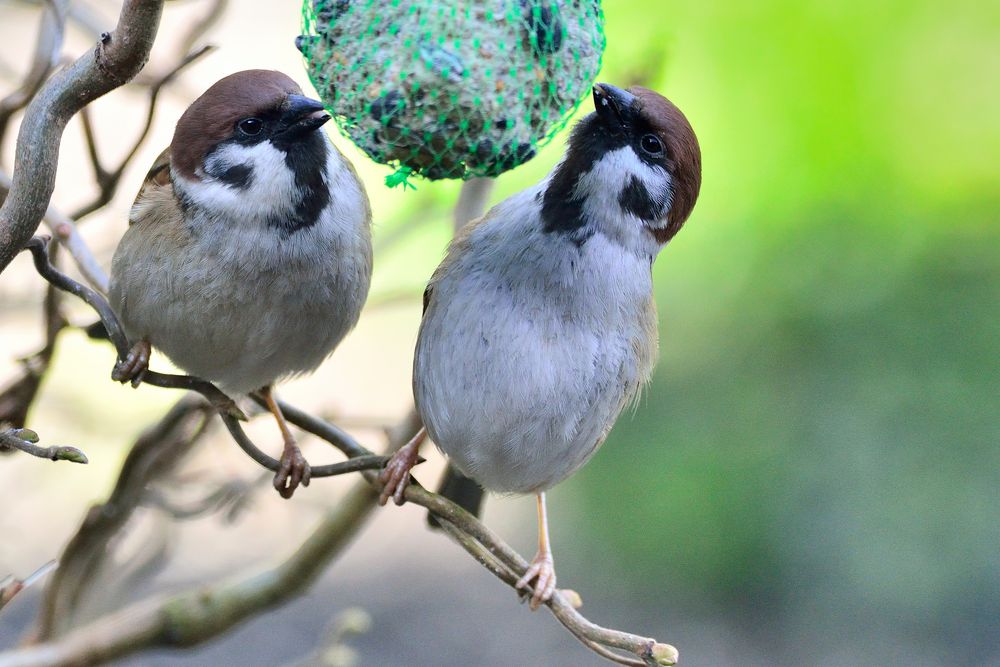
450,88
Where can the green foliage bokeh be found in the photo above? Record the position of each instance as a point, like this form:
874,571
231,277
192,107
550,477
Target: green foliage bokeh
817,460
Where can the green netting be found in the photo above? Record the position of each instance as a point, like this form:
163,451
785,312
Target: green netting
452,89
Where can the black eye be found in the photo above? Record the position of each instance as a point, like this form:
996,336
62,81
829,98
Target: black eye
250,126
651,144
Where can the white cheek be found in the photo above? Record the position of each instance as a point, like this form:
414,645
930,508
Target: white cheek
600,188
271,189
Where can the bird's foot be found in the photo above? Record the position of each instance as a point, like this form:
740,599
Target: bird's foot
542,571
134,366
294,470
395,477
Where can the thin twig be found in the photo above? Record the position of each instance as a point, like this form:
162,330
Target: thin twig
649,651
205,612
356,464
24,440
10,587
231,496
64,229
116,59
48,46
19,395
107,181
228,410
156,451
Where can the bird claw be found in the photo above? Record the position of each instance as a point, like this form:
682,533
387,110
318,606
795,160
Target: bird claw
543,571
396,475
294,470
134,366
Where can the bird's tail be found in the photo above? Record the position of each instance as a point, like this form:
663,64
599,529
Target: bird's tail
462,491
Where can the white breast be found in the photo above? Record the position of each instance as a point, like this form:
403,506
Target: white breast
531,348
231,300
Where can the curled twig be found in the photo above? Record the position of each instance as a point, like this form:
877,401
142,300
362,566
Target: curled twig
117,58
107,181
156,451
230,498
230,412
51,31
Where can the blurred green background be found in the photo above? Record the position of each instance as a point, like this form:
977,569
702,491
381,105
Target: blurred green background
814,475
818,458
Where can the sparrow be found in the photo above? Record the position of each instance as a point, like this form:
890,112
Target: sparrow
539,326
248,254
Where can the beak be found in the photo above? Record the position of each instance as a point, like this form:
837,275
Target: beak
614,106
300,115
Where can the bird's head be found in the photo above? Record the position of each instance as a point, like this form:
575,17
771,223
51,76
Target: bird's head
249,142
632,170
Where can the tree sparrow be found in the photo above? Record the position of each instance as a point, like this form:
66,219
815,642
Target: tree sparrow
248,253
540,326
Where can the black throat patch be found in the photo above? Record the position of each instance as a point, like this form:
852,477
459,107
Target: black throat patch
306,158
562,207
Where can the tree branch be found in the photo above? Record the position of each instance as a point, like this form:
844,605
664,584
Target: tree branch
116,59
51,30
18,396
156,451
64,229
24,440
10,586
182,621
228,410
107,181
205,612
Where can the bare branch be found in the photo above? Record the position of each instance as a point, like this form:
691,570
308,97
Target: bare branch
157,450
229,411
107,181
24,440
10,587
17,397
230,497
507,564
487,548
64,229
117,58
200,614
51,30
369,462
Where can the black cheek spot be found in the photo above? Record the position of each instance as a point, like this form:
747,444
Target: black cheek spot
238,176
636,199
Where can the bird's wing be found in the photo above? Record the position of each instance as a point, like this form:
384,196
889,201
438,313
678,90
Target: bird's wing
459,244
427,297
156,188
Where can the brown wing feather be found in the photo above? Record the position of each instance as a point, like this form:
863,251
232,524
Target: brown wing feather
459,244
156,193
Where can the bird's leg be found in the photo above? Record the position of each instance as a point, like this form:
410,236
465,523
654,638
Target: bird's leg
134,366
542,569
396,475
294,468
